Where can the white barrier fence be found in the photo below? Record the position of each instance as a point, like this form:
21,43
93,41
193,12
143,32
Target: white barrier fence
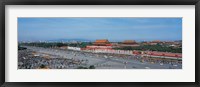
111,51
74,48
103,51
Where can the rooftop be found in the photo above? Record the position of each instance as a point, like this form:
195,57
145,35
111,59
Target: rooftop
129,42
101,42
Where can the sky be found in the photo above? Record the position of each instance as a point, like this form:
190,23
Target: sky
113,29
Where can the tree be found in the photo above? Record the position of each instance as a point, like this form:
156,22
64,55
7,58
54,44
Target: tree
42,66
92,67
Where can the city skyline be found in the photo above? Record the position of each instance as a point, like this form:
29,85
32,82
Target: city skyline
113,29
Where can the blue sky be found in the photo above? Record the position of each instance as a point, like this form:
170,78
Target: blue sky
113,29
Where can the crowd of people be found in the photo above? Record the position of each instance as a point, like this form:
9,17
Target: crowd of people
139,58
27,60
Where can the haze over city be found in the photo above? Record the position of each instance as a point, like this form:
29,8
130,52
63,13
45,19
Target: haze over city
113,29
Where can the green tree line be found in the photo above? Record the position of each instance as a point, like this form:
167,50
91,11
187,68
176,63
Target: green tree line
58,44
